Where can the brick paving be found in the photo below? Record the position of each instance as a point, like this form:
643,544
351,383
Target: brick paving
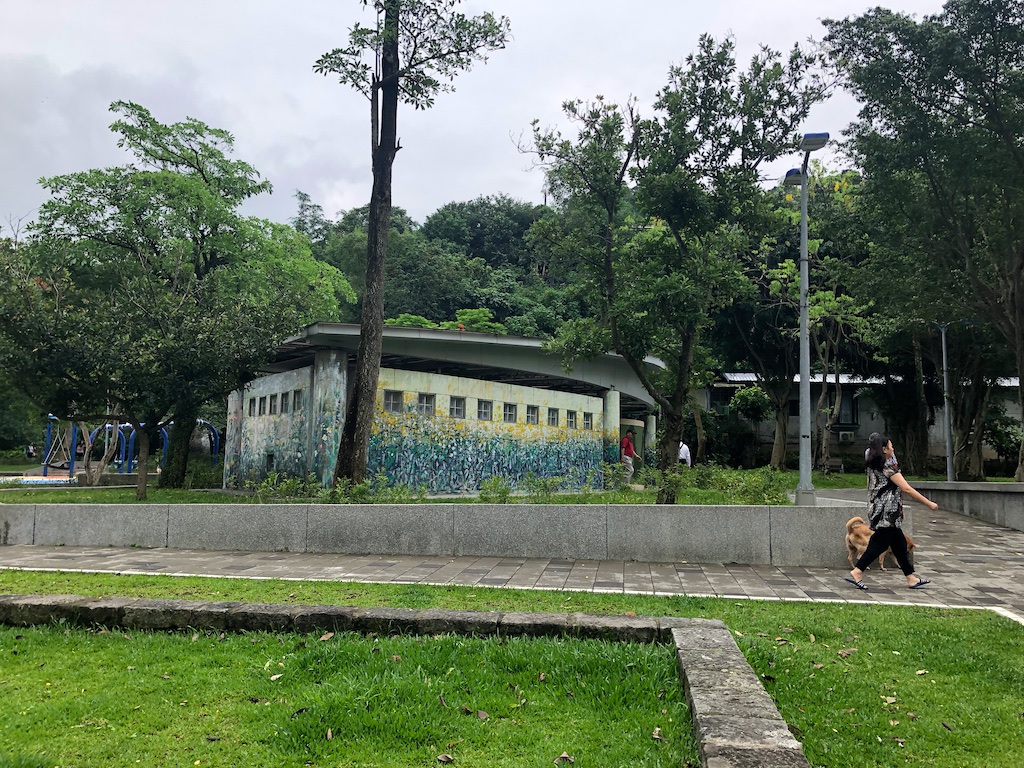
972,565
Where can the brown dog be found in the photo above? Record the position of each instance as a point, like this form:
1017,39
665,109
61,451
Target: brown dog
857,535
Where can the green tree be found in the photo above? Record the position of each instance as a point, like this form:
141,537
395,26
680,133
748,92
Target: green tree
414,52
938,136
143,294
697,186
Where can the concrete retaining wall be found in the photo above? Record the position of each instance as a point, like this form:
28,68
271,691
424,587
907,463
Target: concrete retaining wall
997,503
799,536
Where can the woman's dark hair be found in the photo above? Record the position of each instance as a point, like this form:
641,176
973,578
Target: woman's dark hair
875,458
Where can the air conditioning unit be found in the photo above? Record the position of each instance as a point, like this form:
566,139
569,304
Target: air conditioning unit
846,437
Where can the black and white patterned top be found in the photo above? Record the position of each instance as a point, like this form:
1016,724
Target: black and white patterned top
884,498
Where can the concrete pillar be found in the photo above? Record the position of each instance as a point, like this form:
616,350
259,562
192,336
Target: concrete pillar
329,399
650,434
610,426
233,439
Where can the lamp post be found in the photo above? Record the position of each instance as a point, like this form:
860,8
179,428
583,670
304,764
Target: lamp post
805,488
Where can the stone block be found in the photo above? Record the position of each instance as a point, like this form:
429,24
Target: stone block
263,617
380,529
723,756
101,525
212,615
159,614
677,533
524,624
708,634
326,618
712,659
750,702
31,610
7,607
704,678
666,624
386,621
438,621
632,629
17,524
531,530
105,611
734,731
249,527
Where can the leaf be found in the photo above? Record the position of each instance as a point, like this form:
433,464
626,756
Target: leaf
276,677
565,757
657,735
811,638
947,726
894,722
541,677
465,710
818,666
889,699
912,715
849,711
326,636
330,735
482,715
845,652
445,758
443,702
921,672
898,740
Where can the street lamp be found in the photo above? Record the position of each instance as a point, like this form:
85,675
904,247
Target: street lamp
805,488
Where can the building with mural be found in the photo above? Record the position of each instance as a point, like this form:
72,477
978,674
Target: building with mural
454,408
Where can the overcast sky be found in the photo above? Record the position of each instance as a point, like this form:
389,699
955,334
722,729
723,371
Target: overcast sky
246,66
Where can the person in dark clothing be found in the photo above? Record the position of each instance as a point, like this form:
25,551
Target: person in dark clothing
886,486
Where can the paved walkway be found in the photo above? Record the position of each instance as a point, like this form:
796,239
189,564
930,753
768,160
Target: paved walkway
972,565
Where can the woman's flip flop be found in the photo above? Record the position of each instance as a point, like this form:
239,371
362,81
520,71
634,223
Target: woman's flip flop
857,584
920,584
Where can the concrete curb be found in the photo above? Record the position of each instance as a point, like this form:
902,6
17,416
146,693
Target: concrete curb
735,721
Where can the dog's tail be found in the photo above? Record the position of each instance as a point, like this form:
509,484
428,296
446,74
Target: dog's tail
853,521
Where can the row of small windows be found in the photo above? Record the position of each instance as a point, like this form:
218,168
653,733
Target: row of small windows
394,402
286,402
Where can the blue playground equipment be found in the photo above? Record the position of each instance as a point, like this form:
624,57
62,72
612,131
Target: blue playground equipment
59,452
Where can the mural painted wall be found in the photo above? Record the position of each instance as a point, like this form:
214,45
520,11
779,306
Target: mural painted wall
430,429
271,419
420,441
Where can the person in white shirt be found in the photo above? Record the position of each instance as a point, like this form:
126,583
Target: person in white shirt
684,454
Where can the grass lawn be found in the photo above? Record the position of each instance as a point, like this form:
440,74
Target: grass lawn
860,685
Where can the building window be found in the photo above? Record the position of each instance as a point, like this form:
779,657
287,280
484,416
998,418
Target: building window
588,421
273,405
510,413
297,400
570,419
484,410
552,417
457,408
252,406
263,406
533,414
425,404
848,412
286,398
393,401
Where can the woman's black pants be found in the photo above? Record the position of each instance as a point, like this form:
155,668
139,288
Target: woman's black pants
882,539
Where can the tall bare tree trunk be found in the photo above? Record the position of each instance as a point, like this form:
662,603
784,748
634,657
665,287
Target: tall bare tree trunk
353,452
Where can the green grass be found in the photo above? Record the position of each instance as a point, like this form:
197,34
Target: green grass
955,678
79,697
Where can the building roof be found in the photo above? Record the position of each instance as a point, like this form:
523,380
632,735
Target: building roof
491,357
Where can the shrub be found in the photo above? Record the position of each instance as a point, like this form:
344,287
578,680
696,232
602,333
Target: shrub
495,490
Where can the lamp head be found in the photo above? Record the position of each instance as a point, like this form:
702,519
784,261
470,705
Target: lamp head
794,178
812,141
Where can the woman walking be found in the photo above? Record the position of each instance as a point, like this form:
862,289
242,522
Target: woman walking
886,486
